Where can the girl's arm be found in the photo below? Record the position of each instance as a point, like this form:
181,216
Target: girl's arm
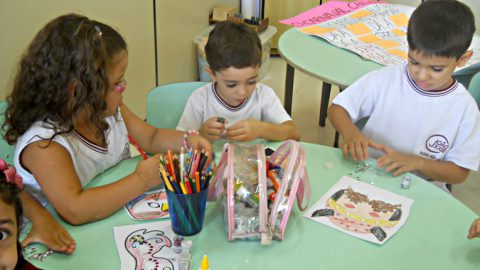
51,165
45,229
156,140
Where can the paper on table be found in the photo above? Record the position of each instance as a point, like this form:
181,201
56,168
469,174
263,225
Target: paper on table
146,246
149,205
361,210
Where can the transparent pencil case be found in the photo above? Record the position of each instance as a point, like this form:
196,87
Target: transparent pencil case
257,192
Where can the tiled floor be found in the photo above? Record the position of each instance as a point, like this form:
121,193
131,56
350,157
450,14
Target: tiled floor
306,109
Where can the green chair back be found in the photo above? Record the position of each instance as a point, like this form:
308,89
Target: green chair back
474,88
6,150
165,103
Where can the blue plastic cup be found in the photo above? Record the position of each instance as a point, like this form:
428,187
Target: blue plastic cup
187,211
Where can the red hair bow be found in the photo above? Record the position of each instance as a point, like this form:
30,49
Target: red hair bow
11,174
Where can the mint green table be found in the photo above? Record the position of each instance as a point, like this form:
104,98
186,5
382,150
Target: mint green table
434,236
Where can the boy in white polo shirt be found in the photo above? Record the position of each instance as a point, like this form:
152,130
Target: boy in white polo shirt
234,106
420,117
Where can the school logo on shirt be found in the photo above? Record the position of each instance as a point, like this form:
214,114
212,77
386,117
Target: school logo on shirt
437,144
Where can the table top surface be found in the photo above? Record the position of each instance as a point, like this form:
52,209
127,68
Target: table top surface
317,57
433,237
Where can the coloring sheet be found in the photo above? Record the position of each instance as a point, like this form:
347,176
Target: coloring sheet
361,210
149,205
376,32
146,246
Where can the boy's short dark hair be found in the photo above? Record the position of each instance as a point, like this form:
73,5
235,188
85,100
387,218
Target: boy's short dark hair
233,45
441,28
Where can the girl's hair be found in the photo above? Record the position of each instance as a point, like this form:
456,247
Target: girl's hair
9,194
63,71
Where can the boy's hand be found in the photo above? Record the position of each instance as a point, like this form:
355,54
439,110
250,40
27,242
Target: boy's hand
357,145
397,162
212,129
474,229
46,230
246,130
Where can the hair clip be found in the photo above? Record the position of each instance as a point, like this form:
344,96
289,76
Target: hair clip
99,31
11,174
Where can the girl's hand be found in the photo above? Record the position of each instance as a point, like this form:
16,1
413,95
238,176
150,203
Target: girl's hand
48,231
198,142
148,172
212,129
474,229
246,130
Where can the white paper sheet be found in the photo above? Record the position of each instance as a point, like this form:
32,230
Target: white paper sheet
146,246
361,210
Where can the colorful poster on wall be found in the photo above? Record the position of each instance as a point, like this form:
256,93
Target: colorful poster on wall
361,210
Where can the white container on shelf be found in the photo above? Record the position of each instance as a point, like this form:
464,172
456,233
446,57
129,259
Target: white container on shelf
201,40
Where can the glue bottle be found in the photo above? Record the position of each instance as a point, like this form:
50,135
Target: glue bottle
204,265
184,257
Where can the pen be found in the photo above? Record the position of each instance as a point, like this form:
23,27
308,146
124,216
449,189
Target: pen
132,141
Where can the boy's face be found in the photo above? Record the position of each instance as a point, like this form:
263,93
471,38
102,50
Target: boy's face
8,236
235,85
433,73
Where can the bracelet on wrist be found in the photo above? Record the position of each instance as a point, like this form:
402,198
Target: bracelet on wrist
143,179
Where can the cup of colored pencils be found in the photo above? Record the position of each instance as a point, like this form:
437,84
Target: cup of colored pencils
187,176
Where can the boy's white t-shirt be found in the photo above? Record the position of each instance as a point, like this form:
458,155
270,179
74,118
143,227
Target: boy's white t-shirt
442,125
204,103
89,159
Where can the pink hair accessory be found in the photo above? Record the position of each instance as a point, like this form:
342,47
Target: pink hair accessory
11,174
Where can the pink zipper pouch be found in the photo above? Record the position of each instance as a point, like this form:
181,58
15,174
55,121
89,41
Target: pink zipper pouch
258,192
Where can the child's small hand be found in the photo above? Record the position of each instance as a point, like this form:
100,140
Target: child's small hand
213,129
246,130
397,162
198,142
148,169
474,229
46,230
357,145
